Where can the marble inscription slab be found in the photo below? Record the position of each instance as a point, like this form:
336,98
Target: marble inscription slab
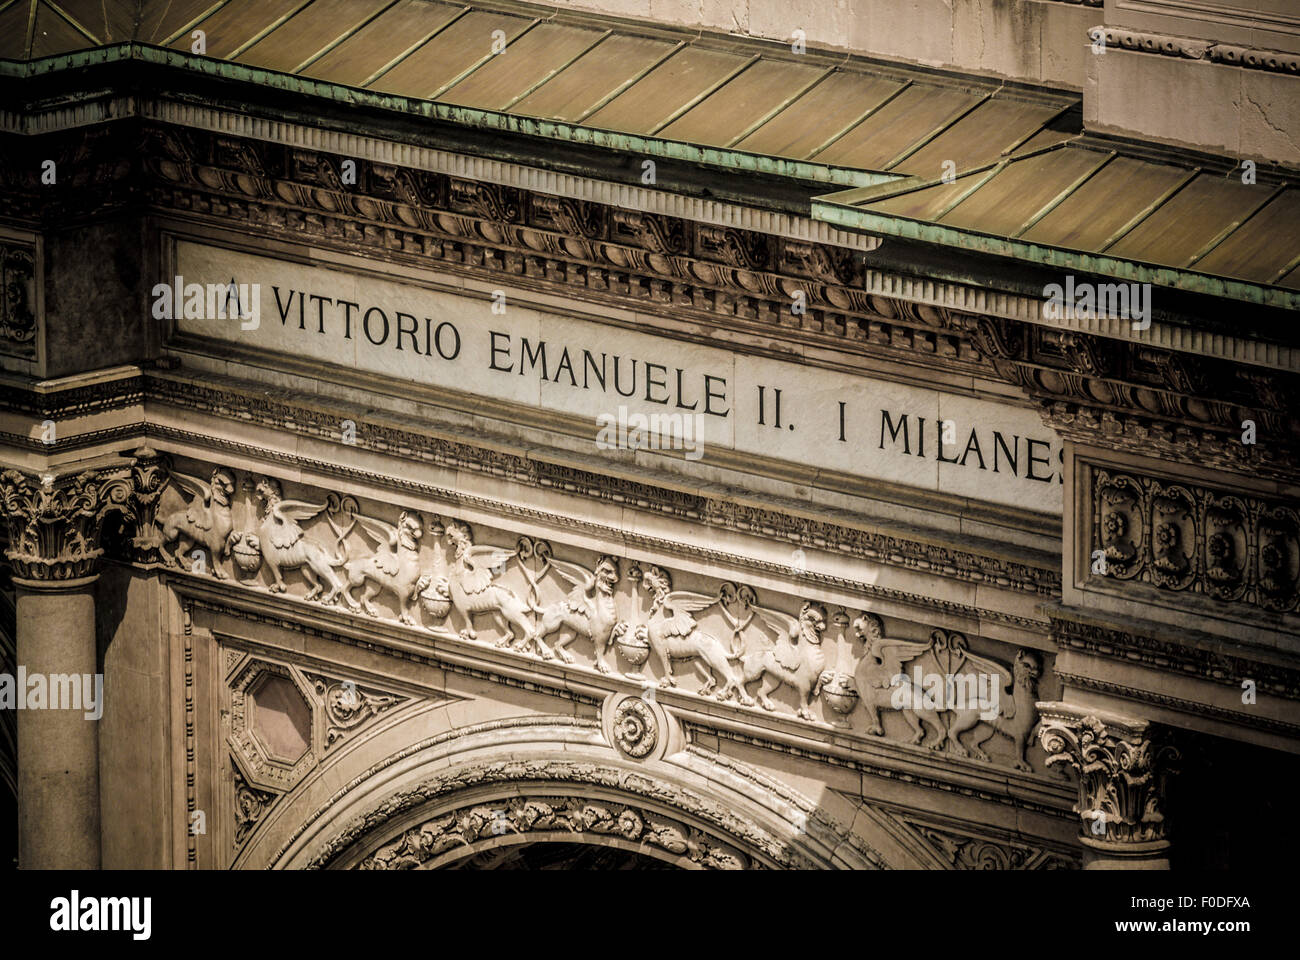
636,388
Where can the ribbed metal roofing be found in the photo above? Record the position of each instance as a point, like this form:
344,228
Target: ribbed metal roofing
947,160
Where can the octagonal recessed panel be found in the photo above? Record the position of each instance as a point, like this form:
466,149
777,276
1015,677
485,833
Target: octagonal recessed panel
280,717
271,725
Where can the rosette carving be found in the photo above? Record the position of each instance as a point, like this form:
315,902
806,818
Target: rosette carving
636,731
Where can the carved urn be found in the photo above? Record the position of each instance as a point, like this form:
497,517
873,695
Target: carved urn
435,596
632,644
839,693
246,551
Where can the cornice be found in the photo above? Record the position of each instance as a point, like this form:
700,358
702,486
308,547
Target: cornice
1229,54
1196,708
1203,658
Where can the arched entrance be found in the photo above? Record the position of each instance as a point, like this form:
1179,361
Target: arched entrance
521,783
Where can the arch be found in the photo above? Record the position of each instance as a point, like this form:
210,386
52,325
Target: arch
555,779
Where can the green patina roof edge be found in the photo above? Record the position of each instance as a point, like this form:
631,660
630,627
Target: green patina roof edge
465,116
828,210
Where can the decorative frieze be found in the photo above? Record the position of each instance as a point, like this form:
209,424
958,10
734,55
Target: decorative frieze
1209,662
440,576
1182,537
1252,58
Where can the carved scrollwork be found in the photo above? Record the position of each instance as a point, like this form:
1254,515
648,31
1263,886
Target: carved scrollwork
348,706
251,805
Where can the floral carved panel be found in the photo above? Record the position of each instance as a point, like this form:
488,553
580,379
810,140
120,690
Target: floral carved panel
1186,538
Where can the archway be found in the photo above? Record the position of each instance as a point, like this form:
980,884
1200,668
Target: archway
551,780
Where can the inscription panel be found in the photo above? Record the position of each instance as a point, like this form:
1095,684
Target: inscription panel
638,390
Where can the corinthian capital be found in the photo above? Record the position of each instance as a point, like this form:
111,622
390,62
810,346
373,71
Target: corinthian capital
55,521
1122,764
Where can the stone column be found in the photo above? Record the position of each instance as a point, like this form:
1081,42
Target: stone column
1123,765
54,530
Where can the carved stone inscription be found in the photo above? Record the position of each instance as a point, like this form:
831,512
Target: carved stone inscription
699,397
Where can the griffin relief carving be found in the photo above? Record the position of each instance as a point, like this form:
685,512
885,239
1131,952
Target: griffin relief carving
206,521
796,658
284,545
588,611
672,634
472,590
394,565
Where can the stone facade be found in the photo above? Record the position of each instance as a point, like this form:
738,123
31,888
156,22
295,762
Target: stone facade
948,587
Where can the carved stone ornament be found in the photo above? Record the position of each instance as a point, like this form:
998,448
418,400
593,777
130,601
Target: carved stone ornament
886,679
961,851
636,729
554,818
434,576
251,805
1123,765
271,725
1186,538
18,300
348,706
55,522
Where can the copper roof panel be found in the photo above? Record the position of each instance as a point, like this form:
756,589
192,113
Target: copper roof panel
159,19
1260,247
453,51
308,32
1181,228
579,88
1292,280
980,137
908,119
928,203
742,103
525,64
235,24
816,117
382,40
653,100
13,31
1021,190
1104,205
110,22
53,34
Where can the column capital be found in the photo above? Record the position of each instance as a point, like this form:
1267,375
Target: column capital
1123,765
55,521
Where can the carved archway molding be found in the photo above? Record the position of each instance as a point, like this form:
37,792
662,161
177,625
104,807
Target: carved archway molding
554,778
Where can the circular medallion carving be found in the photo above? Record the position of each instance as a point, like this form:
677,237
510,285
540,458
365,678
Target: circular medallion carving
636,731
